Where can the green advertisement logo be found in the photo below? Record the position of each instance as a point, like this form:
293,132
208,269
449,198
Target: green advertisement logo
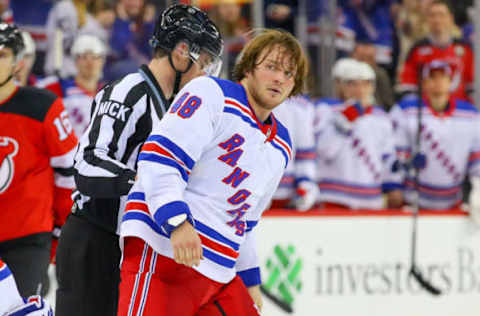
283,281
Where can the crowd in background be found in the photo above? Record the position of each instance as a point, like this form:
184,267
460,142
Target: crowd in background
385,30
393,37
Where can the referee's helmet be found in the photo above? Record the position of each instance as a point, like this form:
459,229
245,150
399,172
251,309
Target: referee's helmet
187,23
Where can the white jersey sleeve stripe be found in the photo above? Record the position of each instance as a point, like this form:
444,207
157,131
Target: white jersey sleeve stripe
154,157
173,148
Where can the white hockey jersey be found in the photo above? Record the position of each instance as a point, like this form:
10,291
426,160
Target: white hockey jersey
451,143
355,155
211,158
9,296
297,113
77,101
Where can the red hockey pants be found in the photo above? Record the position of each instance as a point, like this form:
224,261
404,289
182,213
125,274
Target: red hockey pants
154,285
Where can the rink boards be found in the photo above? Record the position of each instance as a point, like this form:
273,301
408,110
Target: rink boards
356,264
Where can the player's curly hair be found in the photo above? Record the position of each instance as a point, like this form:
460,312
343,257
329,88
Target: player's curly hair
248,59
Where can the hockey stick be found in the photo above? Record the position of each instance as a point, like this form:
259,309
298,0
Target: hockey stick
284,306
58,51
414,270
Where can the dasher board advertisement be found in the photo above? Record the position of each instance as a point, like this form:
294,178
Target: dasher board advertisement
316,264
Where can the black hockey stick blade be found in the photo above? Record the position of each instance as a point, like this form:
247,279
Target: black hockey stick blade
284,306
430,288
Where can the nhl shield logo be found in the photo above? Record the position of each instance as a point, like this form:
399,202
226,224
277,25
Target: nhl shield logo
8,149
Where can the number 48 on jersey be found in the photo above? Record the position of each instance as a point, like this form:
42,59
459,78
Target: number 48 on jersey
186,106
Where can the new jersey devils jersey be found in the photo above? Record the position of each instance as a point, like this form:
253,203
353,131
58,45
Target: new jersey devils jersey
457,54
36,159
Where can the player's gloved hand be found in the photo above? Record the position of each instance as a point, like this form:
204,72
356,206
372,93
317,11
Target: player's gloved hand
395,199
474,200
307,193
344,122
397,166
419,161
186,244
353,111
256,295
34,306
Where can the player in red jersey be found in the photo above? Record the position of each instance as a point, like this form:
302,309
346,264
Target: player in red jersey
36,175
440,45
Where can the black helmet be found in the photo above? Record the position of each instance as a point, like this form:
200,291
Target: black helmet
184,22
10,36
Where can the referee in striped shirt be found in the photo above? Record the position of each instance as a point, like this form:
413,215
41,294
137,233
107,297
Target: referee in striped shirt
186,45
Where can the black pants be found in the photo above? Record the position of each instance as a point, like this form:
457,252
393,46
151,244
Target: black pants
88,271
28,258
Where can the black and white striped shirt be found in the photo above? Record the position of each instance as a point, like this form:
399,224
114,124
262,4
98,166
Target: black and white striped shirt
122,117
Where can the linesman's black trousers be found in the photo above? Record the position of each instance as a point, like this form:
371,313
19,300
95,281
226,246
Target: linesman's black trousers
88,272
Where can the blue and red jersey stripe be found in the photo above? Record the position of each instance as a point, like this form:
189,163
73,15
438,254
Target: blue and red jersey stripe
216,247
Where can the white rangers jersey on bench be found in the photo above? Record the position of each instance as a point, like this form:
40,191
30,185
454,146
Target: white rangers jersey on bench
451,142
297,113
355,160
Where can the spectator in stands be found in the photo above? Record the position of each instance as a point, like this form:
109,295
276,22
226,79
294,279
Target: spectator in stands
449,139
227,15
34,21
440,43
104,13
297,187
460,10
280,14
131,31
372,21
6,14
78,92
344,31
24,76
366,52
410,25
468,26
355,145
67,20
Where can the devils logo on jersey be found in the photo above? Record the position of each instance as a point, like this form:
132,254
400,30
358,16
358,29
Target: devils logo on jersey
8,149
